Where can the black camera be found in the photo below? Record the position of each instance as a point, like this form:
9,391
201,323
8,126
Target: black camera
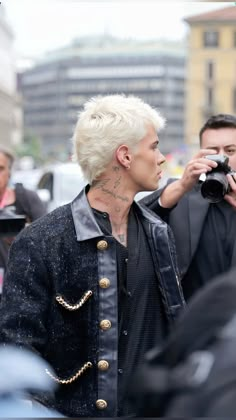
10,222
216,184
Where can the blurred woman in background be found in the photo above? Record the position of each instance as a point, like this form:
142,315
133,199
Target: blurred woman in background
16,199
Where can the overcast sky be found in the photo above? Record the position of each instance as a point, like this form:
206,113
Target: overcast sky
43,25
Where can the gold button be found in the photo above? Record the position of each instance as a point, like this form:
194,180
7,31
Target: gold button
102,245
105,324
104,283
103,365
101,404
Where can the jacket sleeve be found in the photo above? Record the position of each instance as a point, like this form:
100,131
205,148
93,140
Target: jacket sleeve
151,201
26,303
26,296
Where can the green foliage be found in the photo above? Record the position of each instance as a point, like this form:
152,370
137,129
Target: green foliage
30,146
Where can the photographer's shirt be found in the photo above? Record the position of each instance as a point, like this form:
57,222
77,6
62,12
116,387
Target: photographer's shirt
215,249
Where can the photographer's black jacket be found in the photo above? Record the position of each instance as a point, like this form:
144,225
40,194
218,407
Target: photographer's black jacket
186,220
60,299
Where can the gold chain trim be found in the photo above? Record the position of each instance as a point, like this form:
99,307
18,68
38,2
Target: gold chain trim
73,378
78,305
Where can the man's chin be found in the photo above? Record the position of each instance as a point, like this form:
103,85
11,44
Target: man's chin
151,188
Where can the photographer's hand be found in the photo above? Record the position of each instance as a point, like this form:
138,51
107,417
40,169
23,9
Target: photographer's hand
194,168
231,197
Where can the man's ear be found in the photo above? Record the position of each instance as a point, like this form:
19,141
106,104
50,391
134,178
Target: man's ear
124,156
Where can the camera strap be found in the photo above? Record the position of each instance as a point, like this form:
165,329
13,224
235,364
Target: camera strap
4,198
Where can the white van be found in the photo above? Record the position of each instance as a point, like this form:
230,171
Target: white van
60,184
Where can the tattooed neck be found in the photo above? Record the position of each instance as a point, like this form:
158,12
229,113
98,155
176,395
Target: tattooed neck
119,231
110,187
121,237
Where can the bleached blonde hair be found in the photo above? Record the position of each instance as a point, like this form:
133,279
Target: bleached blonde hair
104,124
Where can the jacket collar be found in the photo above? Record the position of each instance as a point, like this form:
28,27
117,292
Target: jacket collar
86,226
85,223
147,214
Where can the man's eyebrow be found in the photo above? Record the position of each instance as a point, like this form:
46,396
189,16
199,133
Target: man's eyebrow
217,146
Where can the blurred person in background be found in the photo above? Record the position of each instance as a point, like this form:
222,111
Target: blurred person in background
18,200
21,374
96,280
204,231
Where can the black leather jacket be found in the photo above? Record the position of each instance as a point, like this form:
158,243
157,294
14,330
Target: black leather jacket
60,298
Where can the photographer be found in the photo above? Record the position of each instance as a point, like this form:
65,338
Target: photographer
18,201
204,231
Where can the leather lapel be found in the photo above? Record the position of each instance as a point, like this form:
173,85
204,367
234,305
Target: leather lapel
198,208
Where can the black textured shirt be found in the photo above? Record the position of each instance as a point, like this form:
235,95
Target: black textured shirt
215,248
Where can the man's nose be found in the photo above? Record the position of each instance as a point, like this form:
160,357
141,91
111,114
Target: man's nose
161,159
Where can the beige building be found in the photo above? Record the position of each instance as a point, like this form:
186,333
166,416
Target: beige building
211,69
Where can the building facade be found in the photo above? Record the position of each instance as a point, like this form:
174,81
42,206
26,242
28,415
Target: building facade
55,89
211,69
10,104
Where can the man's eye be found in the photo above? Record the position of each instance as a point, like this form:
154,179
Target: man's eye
231,151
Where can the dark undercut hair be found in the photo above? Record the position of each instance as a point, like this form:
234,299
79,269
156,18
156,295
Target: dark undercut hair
218,121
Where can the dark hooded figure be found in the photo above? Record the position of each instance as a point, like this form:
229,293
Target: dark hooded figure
194,373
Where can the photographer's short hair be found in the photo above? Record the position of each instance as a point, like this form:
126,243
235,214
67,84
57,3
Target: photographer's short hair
218,121
104,124
9,155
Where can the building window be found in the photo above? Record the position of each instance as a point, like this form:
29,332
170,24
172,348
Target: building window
234,100
211,38
209,97
210,70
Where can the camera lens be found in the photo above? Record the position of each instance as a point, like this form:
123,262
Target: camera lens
10,223
214,187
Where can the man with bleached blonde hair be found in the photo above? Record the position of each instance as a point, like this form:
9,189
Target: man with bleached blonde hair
97,283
